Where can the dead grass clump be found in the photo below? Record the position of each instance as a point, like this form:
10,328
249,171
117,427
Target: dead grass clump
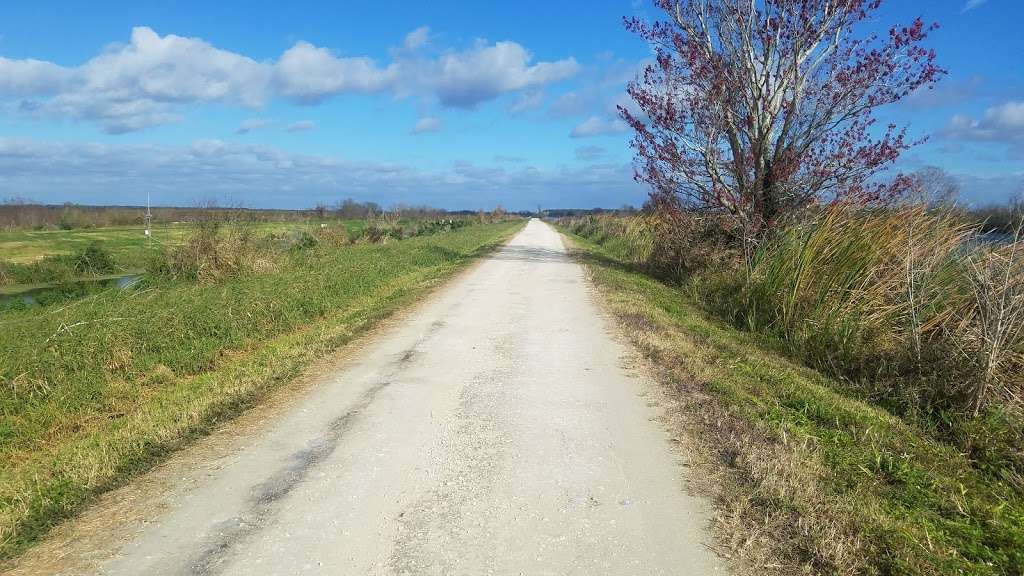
218,251
990,332
333,236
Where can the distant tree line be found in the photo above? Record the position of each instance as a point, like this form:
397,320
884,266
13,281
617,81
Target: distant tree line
17,214
20,214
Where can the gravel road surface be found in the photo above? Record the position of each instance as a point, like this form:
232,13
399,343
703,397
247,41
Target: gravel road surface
499,429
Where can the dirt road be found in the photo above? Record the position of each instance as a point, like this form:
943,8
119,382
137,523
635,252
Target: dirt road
494,431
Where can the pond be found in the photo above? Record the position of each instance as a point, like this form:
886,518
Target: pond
44,294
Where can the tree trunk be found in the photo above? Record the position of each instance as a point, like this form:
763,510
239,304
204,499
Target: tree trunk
769,204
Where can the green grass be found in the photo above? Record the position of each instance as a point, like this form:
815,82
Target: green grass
839,484
128,244
43,259
98,390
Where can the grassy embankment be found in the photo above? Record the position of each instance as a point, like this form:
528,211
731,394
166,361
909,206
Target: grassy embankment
98,390
812,474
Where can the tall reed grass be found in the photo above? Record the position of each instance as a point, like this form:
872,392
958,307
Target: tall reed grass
908,303
892,296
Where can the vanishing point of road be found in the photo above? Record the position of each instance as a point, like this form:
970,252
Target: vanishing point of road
495,430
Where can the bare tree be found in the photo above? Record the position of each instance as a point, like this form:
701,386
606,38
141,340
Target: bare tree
934,187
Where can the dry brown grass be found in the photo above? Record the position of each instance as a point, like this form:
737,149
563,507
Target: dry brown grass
909,303
217,251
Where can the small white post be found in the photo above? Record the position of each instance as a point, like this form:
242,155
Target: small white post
149,220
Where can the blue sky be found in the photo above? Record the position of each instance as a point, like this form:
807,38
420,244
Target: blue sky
452,104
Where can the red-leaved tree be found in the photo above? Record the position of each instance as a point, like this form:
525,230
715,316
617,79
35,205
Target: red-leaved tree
761,107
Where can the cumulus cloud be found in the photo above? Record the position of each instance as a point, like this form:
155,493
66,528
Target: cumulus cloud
301,126
465,79
31,77
309,74
598,126
261,176
999,125
175,69
138,84
1004,123
251,124
147,81
424,125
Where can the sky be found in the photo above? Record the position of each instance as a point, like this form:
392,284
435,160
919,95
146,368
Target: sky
446,103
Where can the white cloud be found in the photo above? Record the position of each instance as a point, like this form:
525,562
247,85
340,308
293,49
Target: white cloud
1009,116
597,126
31,77
175,69
309,74
261,176
417,38
139,84
465,79
300,126
148,81
1004,122
971,5
999,125
425,125
251,124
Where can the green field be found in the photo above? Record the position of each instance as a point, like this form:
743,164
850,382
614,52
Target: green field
30,260
128,244
97,390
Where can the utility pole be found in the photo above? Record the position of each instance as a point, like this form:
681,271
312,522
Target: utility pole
149,220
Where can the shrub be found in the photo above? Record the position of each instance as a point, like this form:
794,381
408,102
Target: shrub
334,236
375,233
686,244
302,240
217,251
673,247
93,260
